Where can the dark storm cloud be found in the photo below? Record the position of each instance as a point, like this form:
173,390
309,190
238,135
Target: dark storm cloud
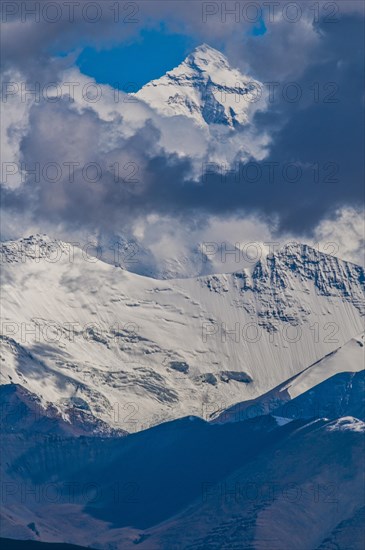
327,134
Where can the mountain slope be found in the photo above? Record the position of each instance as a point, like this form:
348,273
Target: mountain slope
247,485
338,379
293,496
135,351
9,544
49,480
205,88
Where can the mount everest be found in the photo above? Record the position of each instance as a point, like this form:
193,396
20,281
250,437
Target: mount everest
206,89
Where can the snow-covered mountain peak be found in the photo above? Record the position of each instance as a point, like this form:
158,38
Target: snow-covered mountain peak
330,275
34,247
206,88
347,423
303,251
206,59
309,261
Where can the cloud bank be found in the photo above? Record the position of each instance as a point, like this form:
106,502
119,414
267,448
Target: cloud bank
108,167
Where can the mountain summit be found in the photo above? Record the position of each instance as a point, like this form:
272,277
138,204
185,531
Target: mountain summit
206,88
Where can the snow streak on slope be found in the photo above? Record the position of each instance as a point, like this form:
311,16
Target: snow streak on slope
137,351
205,88
348,358
336,384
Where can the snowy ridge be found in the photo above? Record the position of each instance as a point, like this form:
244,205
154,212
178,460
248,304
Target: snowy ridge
348,358
338,379
347,423
205,88
136,351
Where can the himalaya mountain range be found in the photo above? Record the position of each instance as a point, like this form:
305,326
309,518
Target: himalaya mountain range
190,411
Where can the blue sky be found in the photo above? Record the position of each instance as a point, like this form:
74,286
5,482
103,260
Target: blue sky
130,66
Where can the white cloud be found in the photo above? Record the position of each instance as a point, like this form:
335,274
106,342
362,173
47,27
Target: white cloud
343,235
